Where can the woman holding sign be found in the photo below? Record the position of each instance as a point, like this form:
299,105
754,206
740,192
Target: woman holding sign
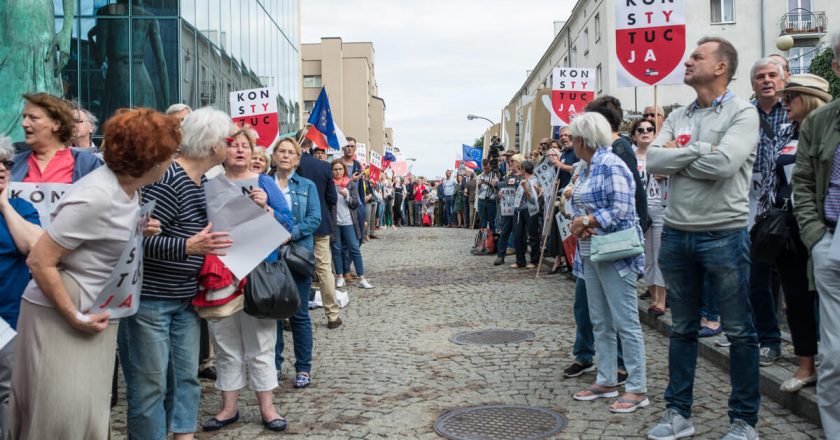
245,344
159,345
302,195
603,204
65,352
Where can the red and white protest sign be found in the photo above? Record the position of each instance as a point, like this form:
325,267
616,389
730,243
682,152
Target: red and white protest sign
650,42
375,165
571,90
569,240
257,108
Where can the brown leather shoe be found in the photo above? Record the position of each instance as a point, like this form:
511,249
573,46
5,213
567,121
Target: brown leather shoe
334,324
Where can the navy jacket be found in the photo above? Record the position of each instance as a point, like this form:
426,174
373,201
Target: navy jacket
84,163
320,173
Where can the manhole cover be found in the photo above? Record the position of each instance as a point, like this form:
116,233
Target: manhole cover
490,337
506,422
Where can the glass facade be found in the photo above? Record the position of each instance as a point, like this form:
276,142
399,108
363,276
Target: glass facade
154,53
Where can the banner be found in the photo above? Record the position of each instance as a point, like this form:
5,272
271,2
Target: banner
121,294
248,185
44,197
375,159
569,240
506,201
571,90
257,108
650,42
361,154
546,173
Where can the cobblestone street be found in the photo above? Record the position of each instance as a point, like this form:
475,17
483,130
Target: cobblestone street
391,370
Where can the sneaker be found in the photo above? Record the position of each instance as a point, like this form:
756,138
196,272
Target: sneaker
339,282
621,378
364,284
768,356
578,368
302,380
671,427
723,341
499,261
741,430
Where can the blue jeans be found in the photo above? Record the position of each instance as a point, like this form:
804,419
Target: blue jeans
614,312
504,235
487,214
159,348
449,217
584,348
710,309
764,306
345,238
687,259
301,331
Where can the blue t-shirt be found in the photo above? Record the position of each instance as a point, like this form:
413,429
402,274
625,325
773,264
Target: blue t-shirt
14,274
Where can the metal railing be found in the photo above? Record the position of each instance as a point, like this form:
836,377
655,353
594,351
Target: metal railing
799,70
803,21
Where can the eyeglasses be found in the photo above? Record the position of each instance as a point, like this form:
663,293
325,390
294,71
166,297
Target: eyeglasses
643,130
543,144
8,163
651,115
790,97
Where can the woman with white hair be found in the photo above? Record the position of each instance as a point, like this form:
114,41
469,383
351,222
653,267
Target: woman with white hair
603,203
160,344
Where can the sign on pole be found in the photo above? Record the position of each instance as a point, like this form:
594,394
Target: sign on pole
257,108
571,90
650,42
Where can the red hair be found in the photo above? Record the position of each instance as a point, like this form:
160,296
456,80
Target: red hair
138,139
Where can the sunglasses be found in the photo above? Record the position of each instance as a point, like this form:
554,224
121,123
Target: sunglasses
8,163
643,130
790,97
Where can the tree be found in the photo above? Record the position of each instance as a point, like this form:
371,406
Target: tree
821,66
478,142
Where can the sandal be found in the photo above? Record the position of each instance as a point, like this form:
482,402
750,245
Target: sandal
636,404
656,310
595,392
302,380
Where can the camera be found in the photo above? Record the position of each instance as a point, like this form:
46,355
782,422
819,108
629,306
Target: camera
496,149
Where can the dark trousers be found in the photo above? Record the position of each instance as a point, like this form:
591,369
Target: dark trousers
487,214
802,313
764,304
504,235
534,230
520,235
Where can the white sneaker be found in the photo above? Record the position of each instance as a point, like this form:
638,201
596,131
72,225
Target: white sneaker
741,430
364,284
339,282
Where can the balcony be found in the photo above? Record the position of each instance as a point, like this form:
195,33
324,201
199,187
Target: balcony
798,70
802,22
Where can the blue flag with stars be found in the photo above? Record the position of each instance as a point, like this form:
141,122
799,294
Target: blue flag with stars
321,120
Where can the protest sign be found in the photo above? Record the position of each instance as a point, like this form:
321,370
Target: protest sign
571,90
255,233
375,159
121,294
43,196
248,185
546,173
361,154
569,240
506,202
257,108
517,198
650,42
7,333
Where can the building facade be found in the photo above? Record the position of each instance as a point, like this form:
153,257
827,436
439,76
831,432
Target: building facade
347,71
586,39
154,53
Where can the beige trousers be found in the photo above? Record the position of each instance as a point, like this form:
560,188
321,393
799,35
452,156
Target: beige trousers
326,278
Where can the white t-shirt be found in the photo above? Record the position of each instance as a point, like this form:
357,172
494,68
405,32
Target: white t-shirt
94,220
652,186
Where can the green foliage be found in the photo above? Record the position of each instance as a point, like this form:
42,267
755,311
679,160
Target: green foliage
478,142
821,66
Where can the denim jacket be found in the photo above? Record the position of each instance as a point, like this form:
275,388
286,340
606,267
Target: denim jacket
306,210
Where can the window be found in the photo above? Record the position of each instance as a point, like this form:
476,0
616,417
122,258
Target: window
597,27
800,59
723,11
598,78
574,56
796,4
586,41
312,81
308,106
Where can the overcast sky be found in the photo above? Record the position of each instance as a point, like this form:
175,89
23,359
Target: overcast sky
439,60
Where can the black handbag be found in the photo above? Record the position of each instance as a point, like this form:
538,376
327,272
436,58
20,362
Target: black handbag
301,261
771,235
271,292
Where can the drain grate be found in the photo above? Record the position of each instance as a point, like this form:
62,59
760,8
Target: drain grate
491,337
503,422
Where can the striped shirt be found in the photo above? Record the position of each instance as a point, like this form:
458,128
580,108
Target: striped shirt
181,207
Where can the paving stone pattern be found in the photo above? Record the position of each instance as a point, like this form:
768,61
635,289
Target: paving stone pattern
391,370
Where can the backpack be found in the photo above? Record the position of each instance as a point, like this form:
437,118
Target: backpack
484,243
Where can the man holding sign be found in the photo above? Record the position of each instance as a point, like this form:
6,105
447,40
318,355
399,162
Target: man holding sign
705,235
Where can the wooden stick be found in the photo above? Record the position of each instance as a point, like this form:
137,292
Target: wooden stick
655,109
303,133
550,217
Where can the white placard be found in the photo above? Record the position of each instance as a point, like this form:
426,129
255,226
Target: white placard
506,201
375,159
361,154
571,90
121,294
255,233
7,333
43,196
546,173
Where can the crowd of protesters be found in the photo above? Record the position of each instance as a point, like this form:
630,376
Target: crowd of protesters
693,198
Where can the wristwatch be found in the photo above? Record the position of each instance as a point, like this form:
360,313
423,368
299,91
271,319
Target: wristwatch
586,221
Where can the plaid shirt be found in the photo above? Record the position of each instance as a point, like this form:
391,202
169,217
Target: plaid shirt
765,155
832,199
610,196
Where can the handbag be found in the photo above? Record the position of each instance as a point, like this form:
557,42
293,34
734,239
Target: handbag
271,292
215,313
301,261
770,235
610,247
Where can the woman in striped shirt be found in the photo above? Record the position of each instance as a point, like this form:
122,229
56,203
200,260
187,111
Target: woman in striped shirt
159,345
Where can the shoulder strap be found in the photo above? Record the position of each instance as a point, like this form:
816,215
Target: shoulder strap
765,126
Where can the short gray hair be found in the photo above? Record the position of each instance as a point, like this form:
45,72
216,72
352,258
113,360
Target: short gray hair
764,62
202,130
93,120
177,108
593,129
7,150
834,40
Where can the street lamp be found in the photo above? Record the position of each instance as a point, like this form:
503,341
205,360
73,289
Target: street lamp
472,117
